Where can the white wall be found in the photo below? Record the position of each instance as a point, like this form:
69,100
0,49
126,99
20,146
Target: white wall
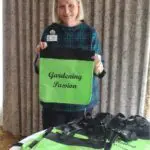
1,65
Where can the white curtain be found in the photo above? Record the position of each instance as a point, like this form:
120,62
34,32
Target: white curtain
123,28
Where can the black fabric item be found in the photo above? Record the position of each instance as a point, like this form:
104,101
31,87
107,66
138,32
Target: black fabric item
139,125
100,118
17,144
102,74
113,129
94,128
112,139
53,118
91,142
33,143
84,126
104,118
68,130
117,122
102,131
128,129
66,53
127,135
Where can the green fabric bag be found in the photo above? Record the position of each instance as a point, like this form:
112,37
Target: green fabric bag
89,133
46,144
66,76
139,144
52,141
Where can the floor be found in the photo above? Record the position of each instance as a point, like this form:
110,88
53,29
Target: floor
6,140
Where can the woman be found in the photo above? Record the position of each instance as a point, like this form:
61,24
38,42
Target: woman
70,31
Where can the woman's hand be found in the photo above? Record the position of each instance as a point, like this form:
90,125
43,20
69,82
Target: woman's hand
40,46
98,65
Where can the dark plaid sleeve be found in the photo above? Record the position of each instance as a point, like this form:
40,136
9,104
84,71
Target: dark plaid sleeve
95,43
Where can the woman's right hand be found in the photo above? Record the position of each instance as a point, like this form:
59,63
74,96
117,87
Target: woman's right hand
98,65
40,46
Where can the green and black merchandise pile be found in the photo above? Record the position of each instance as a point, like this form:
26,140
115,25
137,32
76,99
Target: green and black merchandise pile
105,131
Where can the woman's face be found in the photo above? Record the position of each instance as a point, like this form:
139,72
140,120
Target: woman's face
67,11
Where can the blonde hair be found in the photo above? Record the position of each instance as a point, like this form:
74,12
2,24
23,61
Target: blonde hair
55,18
